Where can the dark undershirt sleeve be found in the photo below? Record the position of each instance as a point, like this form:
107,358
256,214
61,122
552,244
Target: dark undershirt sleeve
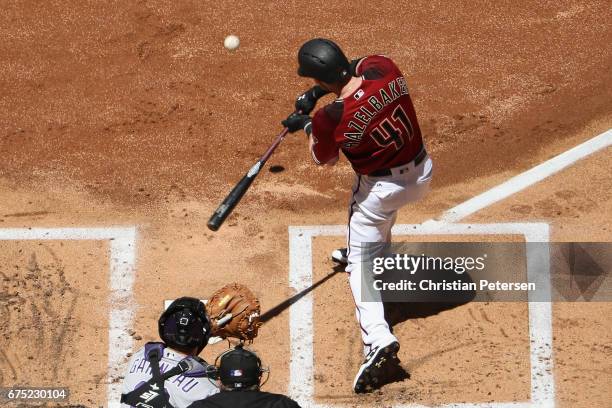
375,67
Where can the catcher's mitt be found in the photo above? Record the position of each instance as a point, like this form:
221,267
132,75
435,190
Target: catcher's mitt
234,312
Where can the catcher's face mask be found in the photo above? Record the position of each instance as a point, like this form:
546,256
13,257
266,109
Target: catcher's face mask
185,324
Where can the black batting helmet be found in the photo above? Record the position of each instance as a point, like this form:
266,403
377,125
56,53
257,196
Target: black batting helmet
185,324
323,59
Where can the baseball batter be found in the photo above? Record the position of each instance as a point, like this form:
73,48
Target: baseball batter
373,122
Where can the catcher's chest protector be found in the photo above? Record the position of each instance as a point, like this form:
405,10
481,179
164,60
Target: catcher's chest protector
151,394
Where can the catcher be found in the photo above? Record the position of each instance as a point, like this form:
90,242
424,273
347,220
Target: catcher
169,374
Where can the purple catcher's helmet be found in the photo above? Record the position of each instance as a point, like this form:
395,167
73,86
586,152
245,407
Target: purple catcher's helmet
185,324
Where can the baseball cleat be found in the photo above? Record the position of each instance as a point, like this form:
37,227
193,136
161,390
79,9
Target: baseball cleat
376,367
339,256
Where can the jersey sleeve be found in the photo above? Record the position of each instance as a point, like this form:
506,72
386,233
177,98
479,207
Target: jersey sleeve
375,67
324,125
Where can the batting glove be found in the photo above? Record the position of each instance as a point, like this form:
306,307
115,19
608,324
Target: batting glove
306,102
296,121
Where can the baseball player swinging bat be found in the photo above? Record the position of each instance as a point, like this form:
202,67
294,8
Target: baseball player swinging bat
234,197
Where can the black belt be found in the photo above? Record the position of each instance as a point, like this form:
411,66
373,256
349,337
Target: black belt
387,172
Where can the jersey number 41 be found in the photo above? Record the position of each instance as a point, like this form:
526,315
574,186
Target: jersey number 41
393,130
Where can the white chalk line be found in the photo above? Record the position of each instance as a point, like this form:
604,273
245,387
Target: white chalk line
540,313
122,254
528,178
301,366
122,264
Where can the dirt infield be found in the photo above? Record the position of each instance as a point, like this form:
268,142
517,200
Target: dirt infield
133,114
46,310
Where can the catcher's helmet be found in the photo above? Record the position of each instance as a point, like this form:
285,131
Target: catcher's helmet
323,59
185,324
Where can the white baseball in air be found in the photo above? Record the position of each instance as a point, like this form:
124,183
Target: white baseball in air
231,42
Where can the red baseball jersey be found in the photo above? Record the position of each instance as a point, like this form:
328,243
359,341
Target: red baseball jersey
375,127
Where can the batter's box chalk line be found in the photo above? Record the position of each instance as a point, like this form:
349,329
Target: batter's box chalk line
122,254
122,260
301,327
540,313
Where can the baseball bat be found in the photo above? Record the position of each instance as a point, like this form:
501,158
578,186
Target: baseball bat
234,197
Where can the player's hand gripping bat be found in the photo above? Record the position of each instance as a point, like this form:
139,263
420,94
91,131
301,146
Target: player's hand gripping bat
226,207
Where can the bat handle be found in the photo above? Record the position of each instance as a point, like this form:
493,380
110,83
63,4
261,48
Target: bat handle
273,147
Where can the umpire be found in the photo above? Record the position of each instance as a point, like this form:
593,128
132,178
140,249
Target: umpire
240,373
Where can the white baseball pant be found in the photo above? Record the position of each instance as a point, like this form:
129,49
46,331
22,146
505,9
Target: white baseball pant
372,212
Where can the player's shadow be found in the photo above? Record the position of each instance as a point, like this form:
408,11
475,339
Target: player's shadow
420,304
429,304
286,304
425,304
